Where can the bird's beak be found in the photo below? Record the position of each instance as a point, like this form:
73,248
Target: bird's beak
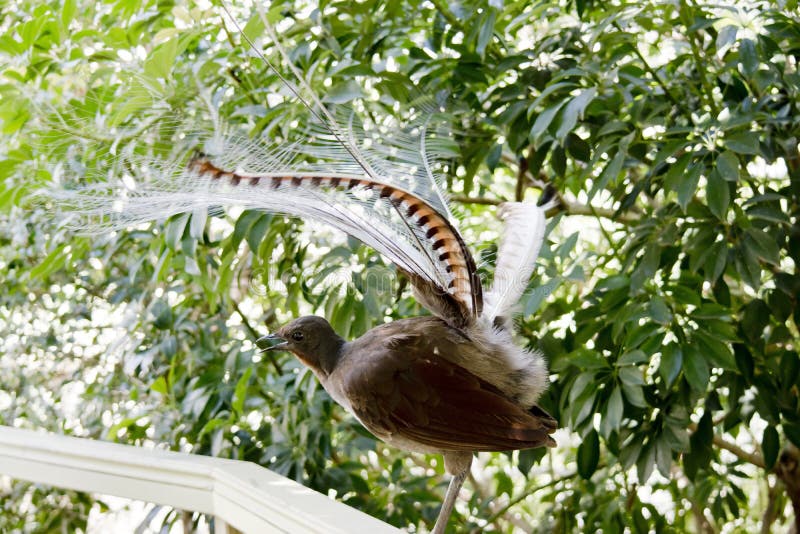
271,342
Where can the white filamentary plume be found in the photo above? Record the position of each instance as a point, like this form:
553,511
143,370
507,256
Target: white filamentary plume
520,242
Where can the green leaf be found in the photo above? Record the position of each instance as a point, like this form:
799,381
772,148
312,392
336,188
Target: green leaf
659,311
162,314
528,458
728,166
558,160
726,37
614,409
486,32
688,185
663,456
173,234
743,143
675,174
198,223
792,431
632,358
243,225
240,392
504,484
671,362
67,12
763,245
579,385
646,463
748,57
159,385
54,261
718,195
701,451
677,436
634,395
257,231
630,453
574,110
543,120
539,294
342,93
770,445
578,148
161,60
588,455
720,353
254,27
695,369
716,261
610,172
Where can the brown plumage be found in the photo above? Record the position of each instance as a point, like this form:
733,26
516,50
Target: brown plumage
412,384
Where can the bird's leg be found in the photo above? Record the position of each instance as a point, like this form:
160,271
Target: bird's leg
456,464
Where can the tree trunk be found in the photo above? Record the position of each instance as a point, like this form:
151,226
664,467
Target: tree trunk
788,470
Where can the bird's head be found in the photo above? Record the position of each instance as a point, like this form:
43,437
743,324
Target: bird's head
310,338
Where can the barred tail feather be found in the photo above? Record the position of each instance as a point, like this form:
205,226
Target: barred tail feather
397,223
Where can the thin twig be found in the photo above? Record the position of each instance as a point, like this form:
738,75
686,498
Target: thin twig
655,75
483,496
526,492
700,66
254,334
461,199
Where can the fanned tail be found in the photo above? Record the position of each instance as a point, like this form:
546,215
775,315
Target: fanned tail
397,223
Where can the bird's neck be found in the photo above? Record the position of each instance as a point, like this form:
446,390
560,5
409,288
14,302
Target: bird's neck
329,355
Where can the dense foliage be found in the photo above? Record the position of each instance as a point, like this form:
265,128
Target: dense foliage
666,300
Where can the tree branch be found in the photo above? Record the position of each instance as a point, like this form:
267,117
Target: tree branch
702,524
770,513
749,457
788,471
447,14
570,208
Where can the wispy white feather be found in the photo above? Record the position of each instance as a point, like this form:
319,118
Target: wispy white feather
520,242
157,188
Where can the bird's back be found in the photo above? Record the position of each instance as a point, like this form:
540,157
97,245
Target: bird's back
406,382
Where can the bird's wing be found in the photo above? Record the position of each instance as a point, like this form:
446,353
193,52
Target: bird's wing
410,392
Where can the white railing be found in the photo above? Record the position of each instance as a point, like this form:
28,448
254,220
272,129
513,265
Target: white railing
240,494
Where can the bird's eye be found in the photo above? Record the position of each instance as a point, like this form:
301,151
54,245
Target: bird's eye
297,336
